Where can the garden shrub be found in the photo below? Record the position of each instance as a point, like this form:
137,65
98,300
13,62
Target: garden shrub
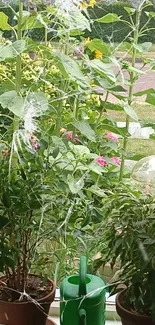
117,31
106,32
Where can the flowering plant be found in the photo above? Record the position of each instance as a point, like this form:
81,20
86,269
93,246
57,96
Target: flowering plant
47,172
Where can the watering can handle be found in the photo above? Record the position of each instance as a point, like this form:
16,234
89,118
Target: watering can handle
82,277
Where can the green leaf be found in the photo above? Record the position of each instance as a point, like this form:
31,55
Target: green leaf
9,51
59,143
6,200
70,69
112,106
35,204
105,84
3,221
85,129
55,152
96,190
152,136
97,169
5,52
4,22
33,22
114,129
128,46
75,185
79,149
133,69
102,68
151,14
76,32
97,44
144,92
118,89
151,98
143,47
78,21
130,10
13,102
39,100
109,18
130,112
18,47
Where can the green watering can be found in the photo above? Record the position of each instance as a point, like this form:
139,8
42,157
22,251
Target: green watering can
82,298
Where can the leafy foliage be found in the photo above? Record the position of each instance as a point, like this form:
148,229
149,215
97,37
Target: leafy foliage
58,149
129,220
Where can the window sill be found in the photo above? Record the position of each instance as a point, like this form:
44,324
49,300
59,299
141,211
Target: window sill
111,313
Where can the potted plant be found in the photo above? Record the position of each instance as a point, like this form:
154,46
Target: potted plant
129,216
25,298
25,181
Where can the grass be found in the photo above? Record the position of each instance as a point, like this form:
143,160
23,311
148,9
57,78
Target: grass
141,148
149,54
144,111
138,148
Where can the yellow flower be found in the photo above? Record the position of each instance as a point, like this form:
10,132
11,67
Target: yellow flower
98,54
63,130
83,5
92,3
87,41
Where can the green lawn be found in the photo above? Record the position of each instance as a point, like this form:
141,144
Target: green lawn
144,111
139,147
122,49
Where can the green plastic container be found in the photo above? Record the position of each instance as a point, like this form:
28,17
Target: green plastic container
82,298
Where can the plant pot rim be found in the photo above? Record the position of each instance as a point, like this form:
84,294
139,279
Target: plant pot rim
124,310
43,299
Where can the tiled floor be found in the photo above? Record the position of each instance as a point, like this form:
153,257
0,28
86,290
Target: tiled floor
108,322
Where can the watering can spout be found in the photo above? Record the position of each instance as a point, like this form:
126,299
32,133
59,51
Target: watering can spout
82,276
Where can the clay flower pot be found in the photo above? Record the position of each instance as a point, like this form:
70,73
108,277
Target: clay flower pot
129,318
27,313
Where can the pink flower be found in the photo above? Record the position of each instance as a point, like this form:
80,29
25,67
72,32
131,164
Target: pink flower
111,136
69,136
34,141
116,160
101,161
5,153
35,145
77,140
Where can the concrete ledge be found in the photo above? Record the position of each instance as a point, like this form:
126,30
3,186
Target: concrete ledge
111,313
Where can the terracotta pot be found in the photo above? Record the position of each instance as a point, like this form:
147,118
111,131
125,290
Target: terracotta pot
129,318
26,313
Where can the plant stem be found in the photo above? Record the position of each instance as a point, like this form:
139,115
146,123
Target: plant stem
18,59
63,89
102,110
132,81
18,77
44,58
75,115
